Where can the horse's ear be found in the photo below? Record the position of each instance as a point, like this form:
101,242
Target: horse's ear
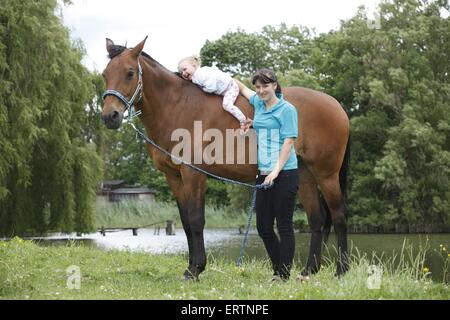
137,49
109,45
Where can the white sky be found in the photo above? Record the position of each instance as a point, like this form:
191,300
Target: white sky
178,28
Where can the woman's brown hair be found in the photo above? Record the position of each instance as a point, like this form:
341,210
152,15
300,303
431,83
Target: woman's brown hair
267,76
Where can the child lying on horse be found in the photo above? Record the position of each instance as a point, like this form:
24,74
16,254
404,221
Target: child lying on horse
212,80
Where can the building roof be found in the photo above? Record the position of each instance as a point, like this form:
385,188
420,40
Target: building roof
112,183
134,191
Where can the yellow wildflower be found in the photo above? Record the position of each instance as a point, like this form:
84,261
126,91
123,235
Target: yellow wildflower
426,270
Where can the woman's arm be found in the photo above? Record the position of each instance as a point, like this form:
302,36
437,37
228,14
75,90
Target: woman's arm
282,158
244,90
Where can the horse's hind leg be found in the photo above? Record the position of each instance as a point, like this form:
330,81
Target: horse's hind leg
309,198
331,191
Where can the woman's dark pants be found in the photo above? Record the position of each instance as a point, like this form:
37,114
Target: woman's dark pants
277,204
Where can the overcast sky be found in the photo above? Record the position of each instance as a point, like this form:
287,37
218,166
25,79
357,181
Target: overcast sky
178,28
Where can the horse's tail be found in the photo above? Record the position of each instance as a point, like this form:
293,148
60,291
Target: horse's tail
343,184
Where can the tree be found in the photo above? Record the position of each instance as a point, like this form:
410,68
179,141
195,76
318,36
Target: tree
49,170
280,48
397,92
235,52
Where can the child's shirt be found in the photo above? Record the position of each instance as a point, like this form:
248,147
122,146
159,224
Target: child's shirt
212,80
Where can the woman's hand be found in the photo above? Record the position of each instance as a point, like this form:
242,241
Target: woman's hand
271,177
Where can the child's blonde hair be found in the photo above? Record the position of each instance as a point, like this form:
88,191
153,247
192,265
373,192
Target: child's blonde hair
194,59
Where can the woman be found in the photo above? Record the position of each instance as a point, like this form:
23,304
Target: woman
275,122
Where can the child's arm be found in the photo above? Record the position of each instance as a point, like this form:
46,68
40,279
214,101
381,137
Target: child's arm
246,92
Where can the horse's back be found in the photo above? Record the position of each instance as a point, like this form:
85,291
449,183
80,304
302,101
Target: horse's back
315,105
323,126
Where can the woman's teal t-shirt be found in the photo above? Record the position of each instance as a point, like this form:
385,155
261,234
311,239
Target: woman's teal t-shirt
272,127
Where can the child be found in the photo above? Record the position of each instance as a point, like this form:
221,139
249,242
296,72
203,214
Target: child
214,81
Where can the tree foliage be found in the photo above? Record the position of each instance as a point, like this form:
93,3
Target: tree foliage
282,49
49,169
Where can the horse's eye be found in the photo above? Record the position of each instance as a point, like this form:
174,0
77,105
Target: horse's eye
130,74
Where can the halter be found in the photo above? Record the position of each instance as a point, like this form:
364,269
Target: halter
137,93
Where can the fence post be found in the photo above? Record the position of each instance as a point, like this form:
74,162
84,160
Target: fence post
170,228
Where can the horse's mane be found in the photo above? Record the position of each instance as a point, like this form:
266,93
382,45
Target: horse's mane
117,49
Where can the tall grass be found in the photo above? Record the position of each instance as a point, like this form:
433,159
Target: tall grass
409,261
133,213
141,213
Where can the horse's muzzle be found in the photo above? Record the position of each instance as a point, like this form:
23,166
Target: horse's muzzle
113,120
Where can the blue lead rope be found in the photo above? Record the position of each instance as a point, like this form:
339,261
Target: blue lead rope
249,225
255,187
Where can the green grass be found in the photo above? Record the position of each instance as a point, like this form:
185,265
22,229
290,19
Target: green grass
29,271
140,213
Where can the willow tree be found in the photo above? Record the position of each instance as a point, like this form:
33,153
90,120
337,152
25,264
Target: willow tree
48,167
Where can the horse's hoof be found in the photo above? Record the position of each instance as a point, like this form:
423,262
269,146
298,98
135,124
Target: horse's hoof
188,276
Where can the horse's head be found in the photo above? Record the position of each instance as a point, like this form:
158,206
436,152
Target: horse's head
123,82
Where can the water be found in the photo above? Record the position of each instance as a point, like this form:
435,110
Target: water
226,244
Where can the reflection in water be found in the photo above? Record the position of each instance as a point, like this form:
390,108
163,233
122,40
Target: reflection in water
226,244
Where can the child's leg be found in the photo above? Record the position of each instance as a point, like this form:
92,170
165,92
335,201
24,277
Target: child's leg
229,98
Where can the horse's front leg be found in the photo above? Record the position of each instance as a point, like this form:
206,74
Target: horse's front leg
194,187
176,185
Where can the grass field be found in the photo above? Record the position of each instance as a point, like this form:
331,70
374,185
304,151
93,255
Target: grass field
29,271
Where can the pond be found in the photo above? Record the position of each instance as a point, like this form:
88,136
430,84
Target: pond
226,244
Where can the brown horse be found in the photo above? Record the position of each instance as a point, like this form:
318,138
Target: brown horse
168,103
